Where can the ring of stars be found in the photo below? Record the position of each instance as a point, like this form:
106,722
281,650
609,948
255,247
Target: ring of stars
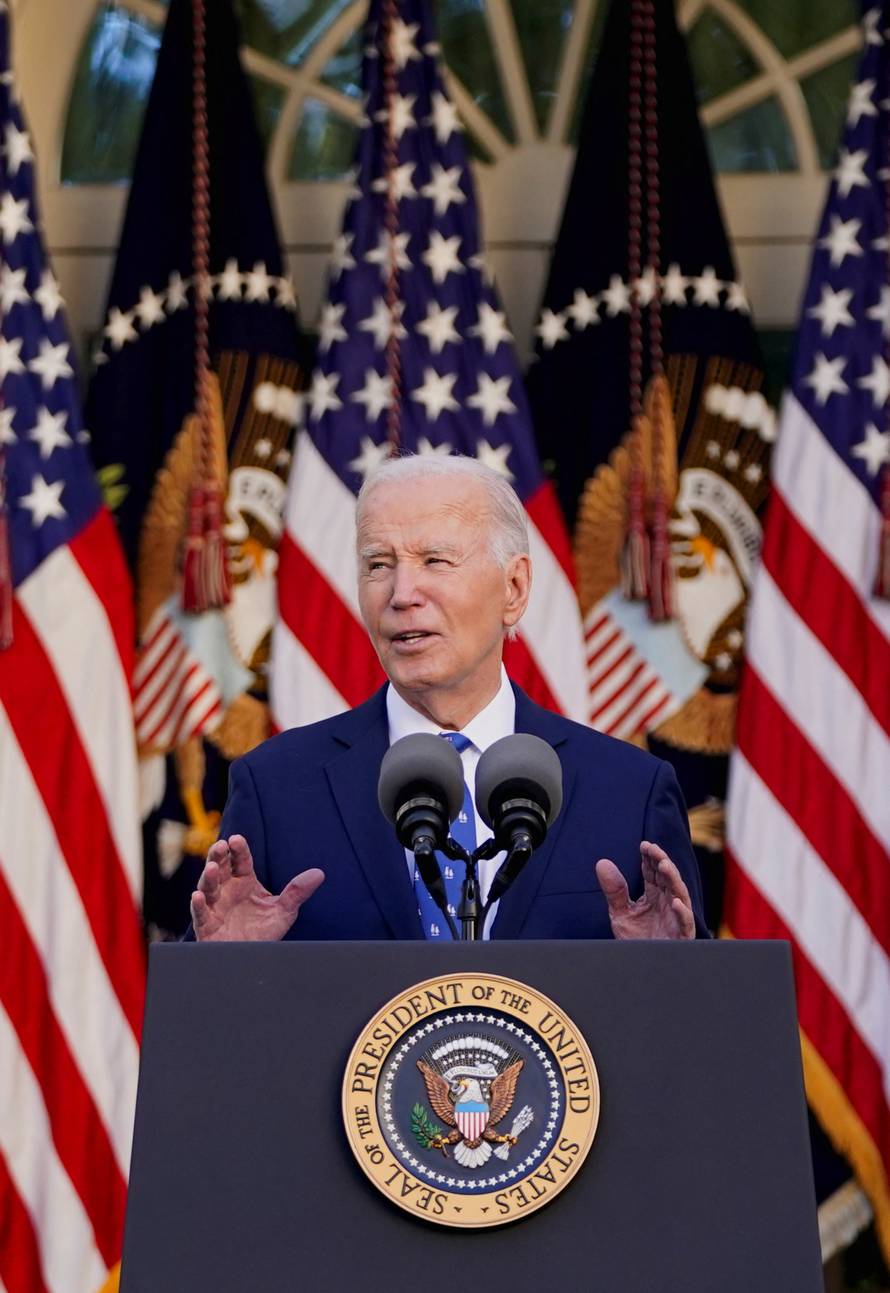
233,284
433,1174
703,290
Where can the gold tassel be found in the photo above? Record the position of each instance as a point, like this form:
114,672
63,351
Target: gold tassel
206,583
635,554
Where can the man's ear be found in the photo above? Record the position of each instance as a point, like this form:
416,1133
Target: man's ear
518,580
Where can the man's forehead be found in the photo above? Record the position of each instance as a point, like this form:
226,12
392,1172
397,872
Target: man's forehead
423,503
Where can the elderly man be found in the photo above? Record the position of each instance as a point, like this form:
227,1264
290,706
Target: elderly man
444,575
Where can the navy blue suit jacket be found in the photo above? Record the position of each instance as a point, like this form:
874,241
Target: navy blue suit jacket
308,797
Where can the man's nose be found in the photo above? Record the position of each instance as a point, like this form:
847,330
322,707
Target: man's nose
406,590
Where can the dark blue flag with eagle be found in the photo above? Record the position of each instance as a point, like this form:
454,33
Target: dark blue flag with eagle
194,398
646,396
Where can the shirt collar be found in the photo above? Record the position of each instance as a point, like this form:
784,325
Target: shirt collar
497,719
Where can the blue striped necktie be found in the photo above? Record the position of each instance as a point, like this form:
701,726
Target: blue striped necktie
463,829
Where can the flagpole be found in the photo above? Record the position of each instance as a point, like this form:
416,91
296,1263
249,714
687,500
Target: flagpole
391,221
205,583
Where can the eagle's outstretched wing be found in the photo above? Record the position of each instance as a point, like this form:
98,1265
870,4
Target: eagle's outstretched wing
437,1090
602,508
503,1090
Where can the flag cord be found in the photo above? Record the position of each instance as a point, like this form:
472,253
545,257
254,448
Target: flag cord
205,582
391,224
660,570
646,568
635,556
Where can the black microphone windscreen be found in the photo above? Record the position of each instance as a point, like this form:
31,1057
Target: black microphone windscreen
421,759
524,759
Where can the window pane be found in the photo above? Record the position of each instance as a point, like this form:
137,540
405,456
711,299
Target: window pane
286,30
344,71
111,87
757,139
720,61
268,100
776,346
542,27
826,95
468,52
593,48
324,145
795,25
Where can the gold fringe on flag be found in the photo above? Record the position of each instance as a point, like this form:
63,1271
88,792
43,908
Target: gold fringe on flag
112,1281
846,1131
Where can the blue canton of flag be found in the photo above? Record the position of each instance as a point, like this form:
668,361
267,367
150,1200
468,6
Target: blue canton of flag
461,389
409,257
51,492
841,375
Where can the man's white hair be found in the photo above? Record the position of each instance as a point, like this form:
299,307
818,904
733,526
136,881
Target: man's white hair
508,532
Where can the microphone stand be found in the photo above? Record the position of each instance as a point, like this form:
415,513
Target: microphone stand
471,918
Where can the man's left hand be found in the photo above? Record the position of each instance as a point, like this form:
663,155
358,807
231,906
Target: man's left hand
664,910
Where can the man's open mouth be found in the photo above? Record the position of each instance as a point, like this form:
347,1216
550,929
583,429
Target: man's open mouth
411,635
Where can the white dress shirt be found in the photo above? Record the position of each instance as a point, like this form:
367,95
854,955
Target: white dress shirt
497,719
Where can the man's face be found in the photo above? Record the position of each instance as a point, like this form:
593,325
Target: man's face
433,598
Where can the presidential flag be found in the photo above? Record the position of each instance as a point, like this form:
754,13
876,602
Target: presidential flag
199,249
809,809
414,355
646,396
71,951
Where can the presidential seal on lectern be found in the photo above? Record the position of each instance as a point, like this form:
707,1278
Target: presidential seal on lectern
470,1100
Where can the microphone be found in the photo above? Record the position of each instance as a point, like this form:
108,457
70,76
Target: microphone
518,796
420,792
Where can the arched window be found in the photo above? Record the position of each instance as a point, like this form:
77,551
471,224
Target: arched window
772,81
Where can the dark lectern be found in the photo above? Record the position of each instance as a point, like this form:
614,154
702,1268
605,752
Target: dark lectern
698,1179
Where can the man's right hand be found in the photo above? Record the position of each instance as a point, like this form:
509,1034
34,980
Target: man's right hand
230,904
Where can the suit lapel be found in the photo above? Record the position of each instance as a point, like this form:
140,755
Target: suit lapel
516,902
363,737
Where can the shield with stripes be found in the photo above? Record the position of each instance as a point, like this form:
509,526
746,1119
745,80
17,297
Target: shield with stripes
472,1118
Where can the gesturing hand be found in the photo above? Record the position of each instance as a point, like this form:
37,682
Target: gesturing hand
664,910
230,904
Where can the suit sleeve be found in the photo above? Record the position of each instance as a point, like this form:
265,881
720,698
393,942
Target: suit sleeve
667,824
243,815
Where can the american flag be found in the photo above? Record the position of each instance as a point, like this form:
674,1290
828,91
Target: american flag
809,799
459,388
72,960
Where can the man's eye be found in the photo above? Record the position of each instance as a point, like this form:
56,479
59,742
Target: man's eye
436,561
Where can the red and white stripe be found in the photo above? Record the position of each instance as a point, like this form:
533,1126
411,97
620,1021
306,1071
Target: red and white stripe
322,660
809,796
174,696
472,1123
72,967
626,693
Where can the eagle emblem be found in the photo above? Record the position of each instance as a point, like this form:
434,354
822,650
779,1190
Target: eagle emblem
471,1086
678,679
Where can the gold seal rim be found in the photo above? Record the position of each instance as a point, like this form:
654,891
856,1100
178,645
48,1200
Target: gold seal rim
583,1126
